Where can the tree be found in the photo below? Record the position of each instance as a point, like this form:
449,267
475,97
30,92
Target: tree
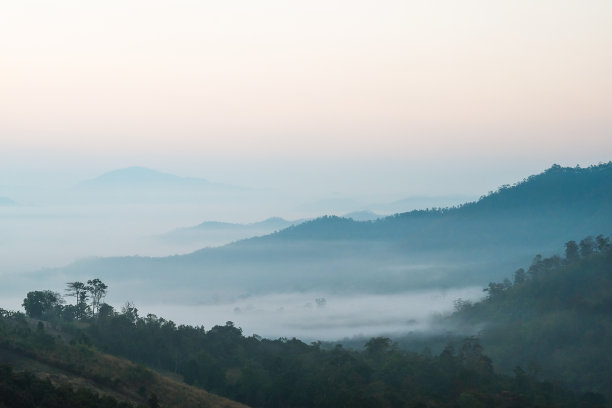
105,311
572,253
377,345
462,304
587,246
82,306
129,312
40,302
520,276
603,243
75,289
536,266
472,357
97,289
79,291
497,289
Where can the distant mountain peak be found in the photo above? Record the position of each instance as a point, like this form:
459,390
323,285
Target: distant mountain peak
138,184
268,222
138,174
7,202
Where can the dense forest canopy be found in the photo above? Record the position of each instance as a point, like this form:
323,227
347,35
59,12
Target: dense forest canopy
556,315
283,372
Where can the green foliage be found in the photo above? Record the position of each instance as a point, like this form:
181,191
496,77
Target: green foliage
555,319
79,291
49,305
97,290
42,303
290,373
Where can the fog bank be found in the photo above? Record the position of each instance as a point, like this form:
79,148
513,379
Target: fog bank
323,316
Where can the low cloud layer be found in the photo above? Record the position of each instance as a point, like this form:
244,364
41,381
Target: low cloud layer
321,316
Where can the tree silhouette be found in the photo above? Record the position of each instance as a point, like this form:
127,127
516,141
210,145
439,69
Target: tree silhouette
572,252
79,291
97,289
38,302
587,246
75,289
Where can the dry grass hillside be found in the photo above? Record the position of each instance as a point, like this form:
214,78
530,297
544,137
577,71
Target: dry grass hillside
41,351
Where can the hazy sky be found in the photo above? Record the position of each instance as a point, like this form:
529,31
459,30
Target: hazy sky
236,90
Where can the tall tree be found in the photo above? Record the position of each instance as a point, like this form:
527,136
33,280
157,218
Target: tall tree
97,289
75,289
79,291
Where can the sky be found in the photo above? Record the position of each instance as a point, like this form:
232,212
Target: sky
398,97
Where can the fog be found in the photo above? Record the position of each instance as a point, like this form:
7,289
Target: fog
405,269
63,227
34,237
49,236
309,316
51,225
321,316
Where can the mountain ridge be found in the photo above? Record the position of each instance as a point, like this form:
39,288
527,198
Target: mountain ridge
140,177
553,186
417,249
7,202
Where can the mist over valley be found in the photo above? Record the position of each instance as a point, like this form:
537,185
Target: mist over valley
246,267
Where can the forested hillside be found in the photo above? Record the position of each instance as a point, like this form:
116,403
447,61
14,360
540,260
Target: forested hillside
582,195
266,373
555,318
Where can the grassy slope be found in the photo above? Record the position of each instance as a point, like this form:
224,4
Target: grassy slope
83,366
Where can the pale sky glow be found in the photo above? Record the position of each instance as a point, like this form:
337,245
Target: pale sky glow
403,80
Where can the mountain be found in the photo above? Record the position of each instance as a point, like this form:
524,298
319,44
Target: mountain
275,223
143,185
544,206
465,245
144,178
7,202
213,233
337,203
364,215
421,202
